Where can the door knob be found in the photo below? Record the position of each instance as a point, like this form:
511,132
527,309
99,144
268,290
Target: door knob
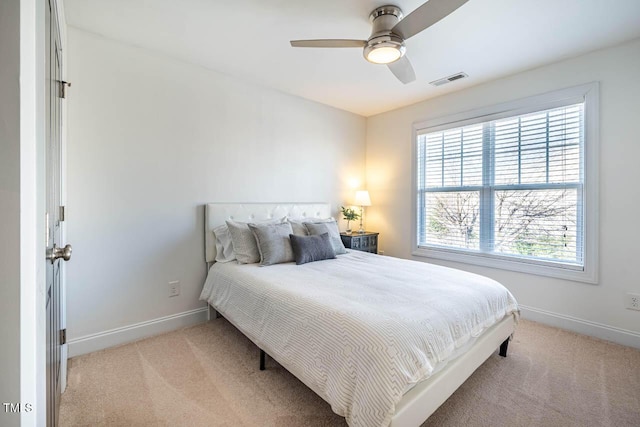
56,252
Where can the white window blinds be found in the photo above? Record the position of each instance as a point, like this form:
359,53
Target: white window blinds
508,187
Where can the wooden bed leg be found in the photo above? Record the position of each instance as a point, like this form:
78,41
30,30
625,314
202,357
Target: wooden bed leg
262,354
212,313
503,348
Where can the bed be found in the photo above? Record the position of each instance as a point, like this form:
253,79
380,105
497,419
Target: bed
385,341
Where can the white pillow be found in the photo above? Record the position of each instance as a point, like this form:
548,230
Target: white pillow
244,242
224,245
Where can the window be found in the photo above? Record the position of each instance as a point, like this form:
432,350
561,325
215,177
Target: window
510,187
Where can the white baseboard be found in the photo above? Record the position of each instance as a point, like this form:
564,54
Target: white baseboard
125,334
118,336
582,326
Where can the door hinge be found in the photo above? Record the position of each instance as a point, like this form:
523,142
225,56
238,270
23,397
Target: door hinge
62,213
63,336
63,88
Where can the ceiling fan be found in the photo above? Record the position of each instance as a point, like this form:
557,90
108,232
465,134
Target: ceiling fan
386,42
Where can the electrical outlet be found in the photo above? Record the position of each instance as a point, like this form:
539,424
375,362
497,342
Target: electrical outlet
633,301
174,288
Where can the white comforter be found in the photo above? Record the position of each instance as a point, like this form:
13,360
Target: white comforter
359,330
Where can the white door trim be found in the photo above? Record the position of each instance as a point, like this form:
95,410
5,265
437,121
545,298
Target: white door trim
32,208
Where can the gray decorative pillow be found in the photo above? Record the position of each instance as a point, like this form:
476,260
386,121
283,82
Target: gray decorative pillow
297,225
312,248
244,243
316,229
273,242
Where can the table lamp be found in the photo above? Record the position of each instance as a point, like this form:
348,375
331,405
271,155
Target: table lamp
362,200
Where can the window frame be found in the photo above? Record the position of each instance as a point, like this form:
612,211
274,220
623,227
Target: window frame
588,273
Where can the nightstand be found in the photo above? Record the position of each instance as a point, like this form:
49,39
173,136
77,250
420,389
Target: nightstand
366,242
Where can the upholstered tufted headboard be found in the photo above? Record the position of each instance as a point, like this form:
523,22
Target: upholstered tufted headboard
216,214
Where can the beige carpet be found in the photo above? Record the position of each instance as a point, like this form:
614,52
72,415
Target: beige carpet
207,375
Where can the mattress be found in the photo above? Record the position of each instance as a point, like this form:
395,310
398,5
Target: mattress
362,329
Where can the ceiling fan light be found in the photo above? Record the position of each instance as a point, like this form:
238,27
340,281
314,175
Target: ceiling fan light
384,49
384,54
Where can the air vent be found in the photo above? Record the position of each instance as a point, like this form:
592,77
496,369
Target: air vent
456,76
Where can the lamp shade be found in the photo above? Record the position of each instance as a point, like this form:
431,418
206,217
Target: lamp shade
362,198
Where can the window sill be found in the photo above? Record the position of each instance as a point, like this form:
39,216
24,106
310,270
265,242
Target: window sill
506,263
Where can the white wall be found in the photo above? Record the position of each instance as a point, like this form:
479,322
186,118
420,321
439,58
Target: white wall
9,208
594,309
150,140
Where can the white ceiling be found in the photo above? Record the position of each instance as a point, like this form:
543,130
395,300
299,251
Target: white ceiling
249,39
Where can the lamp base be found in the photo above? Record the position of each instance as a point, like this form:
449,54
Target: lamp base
361,231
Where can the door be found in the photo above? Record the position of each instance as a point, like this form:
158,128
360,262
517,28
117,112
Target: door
54,212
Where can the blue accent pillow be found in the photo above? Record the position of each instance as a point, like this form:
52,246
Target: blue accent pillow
311,248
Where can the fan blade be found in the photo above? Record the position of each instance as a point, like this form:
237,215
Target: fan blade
425,16
403,70
328,43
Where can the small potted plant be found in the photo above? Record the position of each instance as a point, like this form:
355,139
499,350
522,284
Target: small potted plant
350,215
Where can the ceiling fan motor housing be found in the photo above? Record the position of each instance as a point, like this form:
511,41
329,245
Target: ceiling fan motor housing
383,19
